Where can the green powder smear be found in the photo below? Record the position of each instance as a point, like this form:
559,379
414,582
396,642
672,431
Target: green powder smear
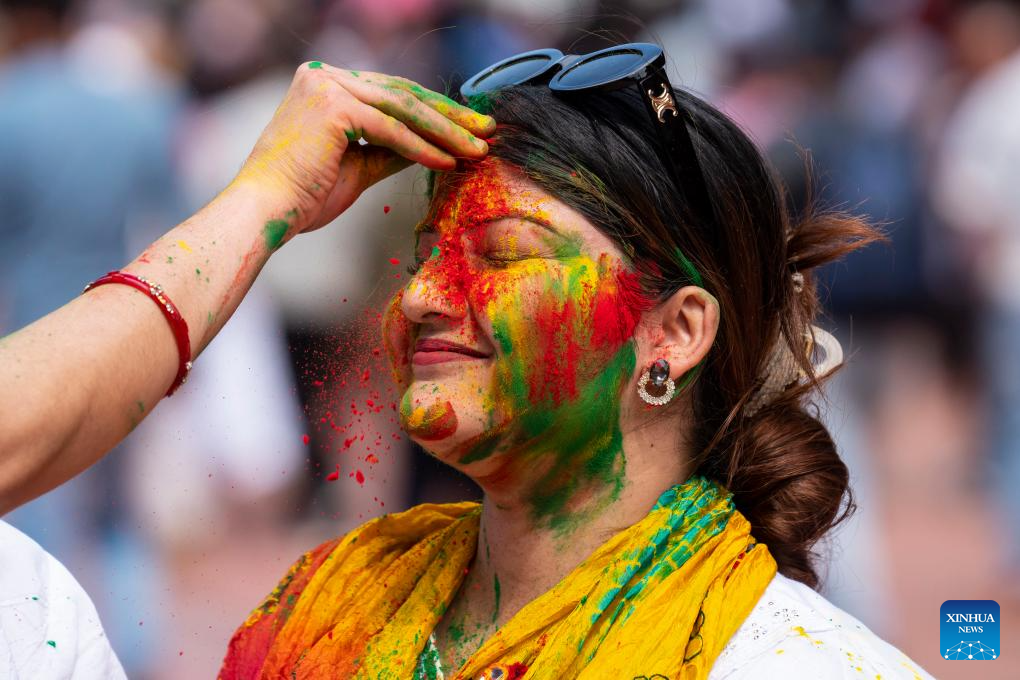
315,64
275,230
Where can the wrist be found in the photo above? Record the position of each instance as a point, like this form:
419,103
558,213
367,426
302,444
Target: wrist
273,212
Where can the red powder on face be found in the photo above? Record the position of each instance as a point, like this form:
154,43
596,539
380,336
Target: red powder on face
616,311
438,422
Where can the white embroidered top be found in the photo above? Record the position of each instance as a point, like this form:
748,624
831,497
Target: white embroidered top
796,634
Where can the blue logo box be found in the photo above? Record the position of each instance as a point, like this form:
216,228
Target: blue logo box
969,630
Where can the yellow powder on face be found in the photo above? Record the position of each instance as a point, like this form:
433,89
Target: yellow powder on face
184,246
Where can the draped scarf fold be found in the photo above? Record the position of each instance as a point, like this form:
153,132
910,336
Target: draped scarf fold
659,599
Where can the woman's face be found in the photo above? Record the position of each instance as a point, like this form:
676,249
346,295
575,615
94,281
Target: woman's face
514,339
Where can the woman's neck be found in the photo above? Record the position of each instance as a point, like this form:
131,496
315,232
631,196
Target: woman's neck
519,559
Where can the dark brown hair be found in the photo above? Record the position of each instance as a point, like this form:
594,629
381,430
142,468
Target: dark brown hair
598,153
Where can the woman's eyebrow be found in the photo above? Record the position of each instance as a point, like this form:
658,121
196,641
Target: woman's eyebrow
527,217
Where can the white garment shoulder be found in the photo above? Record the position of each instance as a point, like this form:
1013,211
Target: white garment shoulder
49,627
796,634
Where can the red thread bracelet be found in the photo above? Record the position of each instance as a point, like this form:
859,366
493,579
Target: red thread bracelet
177,323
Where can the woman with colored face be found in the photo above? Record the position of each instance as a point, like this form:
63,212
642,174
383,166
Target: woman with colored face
609,327
625,375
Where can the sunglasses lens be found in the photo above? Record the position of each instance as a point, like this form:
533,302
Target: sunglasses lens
513,71
603,67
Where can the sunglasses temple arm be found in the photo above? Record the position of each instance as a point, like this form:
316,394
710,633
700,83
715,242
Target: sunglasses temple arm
672,124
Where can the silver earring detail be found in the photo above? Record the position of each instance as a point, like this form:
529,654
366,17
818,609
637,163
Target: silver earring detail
658,375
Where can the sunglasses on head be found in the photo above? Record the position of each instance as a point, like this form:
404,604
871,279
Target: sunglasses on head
638,64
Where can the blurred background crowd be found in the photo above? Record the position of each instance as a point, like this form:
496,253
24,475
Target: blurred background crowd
118,118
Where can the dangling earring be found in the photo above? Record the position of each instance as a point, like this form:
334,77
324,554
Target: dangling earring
658,375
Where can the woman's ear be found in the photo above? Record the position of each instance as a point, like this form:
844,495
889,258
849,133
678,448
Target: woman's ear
687,325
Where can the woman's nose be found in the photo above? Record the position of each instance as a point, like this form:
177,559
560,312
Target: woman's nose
430,297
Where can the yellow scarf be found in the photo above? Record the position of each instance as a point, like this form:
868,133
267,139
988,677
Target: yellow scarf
658,600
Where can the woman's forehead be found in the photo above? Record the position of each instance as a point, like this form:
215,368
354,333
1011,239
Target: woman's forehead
493,190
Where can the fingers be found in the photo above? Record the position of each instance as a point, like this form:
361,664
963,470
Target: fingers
424,120
434,117
381,129
478,124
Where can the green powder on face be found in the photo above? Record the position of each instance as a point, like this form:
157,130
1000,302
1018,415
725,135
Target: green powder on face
315,64
495,585
141,406
356,74
169,259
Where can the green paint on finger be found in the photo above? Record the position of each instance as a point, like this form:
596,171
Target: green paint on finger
315,64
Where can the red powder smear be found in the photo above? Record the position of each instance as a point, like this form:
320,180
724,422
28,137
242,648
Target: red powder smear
516,671
386,209
359,477
440,422
554,376
394,261
333,476
459,217
616,311
305,439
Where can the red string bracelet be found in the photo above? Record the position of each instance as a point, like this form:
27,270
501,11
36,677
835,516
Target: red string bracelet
177,323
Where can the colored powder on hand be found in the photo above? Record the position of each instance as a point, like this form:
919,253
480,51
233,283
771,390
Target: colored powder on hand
274,231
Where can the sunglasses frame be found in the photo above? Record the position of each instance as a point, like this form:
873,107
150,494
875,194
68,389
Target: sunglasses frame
649,76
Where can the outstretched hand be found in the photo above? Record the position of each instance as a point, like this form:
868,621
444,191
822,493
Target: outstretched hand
310,156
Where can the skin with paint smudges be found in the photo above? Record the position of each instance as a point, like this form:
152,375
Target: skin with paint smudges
518,343
548,307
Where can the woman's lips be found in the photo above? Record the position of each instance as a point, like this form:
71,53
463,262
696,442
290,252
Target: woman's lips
432,351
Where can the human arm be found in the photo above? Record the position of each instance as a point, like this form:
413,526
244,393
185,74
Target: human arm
76,382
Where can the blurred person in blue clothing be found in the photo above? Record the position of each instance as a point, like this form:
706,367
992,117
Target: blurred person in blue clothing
85,160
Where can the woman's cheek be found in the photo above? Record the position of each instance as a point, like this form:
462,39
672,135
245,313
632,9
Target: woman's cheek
397,341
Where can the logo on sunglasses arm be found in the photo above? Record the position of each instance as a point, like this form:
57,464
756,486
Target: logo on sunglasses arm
662,102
